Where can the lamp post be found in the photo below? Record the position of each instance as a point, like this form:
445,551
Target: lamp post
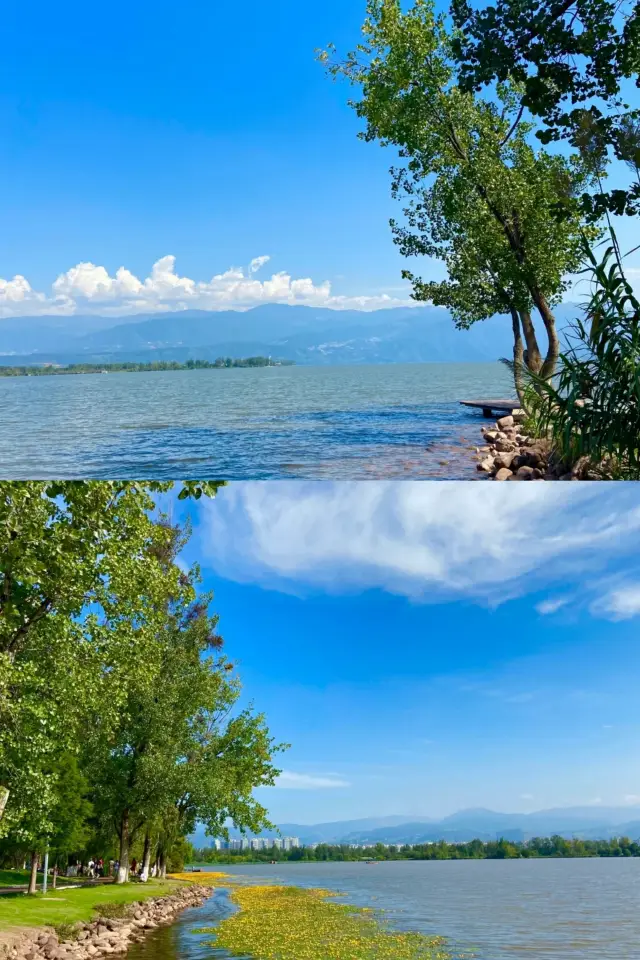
46,870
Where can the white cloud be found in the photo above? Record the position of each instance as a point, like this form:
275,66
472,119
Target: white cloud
526,796
417,538
17,297
89,288
622,603
632,798
304,781
551,606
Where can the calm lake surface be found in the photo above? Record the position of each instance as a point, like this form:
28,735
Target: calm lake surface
491,909
363,422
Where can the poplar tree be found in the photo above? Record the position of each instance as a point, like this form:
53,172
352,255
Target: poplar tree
502,215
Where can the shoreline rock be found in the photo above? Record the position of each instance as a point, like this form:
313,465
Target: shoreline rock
106,935
509,453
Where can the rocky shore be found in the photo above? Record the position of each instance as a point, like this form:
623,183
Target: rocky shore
509,454
107,935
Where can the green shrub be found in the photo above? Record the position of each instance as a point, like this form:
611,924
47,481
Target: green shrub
67,931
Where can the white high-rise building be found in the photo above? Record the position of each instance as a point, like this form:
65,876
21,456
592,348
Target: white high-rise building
288,843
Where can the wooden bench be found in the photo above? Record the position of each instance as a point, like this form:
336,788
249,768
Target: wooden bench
491,407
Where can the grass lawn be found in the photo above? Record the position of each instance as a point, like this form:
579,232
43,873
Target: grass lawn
71,905
15,878
18,878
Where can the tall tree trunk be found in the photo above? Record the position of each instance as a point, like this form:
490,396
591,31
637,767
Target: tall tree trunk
518,354
4,796
34,872
123,868
534,357
146,858
162,865
553,349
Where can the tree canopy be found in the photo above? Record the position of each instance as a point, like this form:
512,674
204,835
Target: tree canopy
116,704
577,62
502,215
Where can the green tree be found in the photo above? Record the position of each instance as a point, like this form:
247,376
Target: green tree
71,814
478,196
80,576
575,60
176,755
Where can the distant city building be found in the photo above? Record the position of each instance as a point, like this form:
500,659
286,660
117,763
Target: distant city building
258,843
288,843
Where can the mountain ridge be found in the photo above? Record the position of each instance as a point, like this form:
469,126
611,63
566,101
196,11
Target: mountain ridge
591,822
306,335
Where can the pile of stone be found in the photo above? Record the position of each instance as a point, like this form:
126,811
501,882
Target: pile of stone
509,454
105,936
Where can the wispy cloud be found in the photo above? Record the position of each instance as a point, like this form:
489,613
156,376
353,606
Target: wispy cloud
482,689
305,781
90,289
547,607
419,540
622,603
525,697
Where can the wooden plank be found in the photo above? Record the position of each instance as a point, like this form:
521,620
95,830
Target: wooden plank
489,406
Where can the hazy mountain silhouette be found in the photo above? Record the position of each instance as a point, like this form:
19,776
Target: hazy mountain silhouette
592,822
308,335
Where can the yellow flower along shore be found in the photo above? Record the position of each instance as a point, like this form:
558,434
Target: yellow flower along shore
291,923
204,878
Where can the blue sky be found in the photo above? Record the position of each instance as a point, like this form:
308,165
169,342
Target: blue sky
208,133
430,647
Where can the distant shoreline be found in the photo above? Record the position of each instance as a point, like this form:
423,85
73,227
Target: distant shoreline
159,366
536,848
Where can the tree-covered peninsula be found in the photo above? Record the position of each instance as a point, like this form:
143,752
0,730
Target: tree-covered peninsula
221,363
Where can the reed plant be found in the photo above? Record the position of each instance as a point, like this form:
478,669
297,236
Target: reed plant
590,409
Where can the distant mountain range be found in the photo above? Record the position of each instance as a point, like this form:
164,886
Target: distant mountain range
307,335
586,822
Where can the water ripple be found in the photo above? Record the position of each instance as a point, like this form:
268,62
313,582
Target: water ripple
399,421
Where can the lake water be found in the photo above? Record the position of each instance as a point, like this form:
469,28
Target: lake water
362,422
491,909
